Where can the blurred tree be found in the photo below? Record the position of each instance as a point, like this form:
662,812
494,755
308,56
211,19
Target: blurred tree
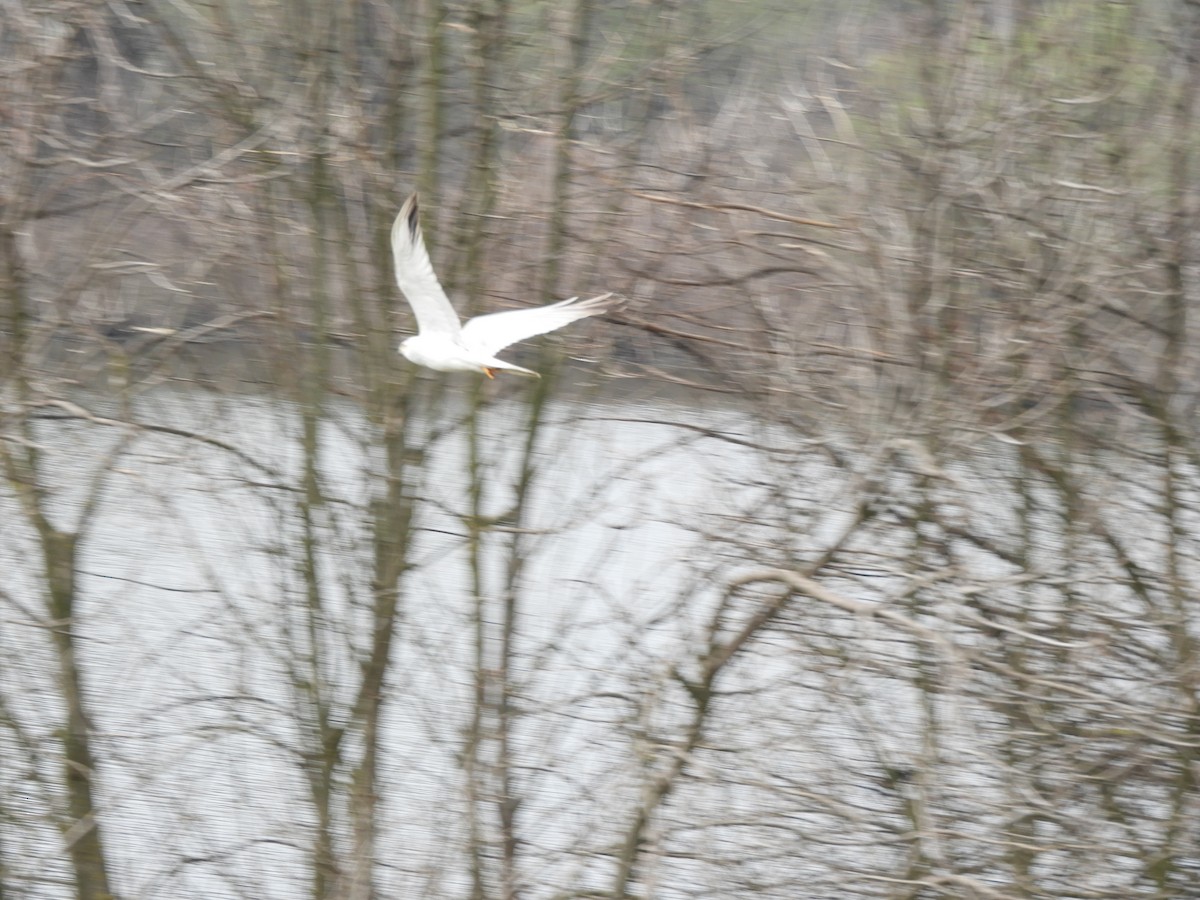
860,562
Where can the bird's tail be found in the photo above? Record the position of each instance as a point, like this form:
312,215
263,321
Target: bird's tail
499,365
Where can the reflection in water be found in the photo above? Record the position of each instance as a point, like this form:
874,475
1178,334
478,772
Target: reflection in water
195,628
842,745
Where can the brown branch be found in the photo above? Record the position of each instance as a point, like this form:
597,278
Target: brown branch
737,207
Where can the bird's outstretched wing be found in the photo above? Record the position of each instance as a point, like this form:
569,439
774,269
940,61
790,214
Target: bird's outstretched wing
414,274
493,332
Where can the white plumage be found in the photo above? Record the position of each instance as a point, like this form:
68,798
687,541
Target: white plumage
443,343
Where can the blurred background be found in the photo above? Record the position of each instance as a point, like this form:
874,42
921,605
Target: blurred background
857,556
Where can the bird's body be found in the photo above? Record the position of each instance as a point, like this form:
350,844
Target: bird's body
445,344
443,353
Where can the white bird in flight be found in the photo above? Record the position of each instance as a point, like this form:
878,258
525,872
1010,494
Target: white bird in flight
442,342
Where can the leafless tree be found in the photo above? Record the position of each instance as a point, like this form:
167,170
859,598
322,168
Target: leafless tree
859,561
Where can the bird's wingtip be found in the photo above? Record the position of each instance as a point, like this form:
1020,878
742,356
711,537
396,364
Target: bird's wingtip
600,303
412,207
606,303
409,217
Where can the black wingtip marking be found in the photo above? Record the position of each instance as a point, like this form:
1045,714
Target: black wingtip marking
414,222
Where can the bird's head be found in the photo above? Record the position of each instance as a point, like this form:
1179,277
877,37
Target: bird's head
406,347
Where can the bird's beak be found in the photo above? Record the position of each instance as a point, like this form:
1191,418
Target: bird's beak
489,373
